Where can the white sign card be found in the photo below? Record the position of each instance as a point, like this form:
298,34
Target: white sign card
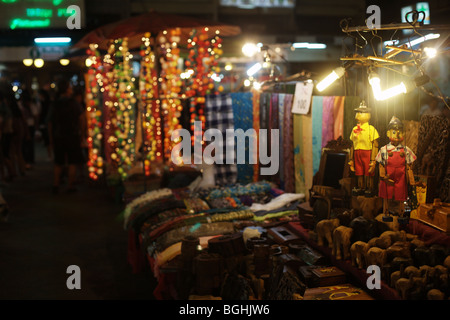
302,97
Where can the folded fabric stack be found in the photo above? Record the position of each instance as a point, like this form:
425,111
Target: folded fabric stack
159,220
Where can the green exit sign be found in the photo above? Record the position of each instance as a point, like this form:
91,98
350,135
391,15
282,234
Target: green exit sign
32,14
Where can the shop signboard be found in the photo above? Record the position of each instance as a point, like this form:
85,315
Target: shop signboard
32,14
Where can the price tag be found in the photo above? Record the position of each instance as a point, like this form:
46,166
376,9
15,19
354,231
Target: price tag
302,97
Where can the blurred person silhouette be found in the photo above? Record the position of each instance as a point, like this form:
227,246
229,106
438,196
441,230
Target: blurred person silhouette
30,112
45,101
6,134
64,126
79,97
19,136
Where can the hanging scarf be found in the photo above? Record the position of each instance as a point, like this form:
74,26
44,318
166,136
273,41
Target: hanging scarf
338,114
219,115
317,109
243,119
256,126
288,145
327,120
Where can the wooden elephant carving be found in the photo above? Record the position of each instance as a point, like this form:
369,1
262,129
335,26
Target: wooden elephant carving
358,252
376,256
341,242
324,229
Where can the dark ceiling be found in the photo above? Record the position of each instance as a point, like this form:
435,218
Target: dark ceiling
308,17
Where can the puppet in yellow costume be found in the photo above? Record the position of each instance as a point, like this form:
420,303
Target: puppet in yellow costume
362,154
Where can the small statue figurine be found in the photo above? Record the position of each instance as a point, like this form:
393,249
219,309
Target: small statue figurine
395,162
362,154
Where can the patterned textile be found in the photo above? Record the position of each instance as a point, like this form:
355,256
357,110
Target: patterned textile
382,155
327,120
317,109
264,110
219,115
239,190
299,166
307,155
256,119
226,202
264,115
288,145
281,99
274,125
243,119
194,205
433,153
230,216
144,200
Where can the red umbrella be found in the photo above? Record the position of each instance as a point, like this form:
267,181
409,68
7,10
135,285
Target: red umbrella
154,22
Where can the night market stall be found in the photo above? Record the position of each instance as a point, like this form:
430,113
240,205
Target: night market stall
280,191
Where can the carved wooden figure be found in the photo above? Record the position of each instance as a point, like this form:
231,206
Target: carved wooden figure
435,294
358,252
362,154
403,286
395,161
376,256
324,229
341,242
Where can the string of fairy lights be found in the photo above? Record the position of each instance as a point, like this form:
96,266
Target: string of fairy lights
170,86
201,65
94,113
117,102
151,119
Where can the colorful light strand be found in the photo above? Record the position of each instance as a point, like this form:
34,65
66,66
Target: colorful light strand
125,111
201,64
170,88
94,87
110,110
151,117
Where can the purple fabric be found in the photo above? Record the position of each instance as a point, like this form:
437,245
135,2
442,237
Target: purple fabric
327,120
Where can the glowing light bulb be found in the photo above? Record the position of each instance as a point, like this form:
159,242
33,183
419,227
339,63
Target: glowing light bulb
332,77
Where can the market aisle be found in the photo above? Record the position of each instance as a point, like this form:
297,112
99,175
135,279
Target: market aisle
46,233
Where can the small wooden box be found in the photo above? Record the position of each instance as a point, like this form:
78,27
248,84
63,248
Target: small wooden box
436,214
338,292
306,215
328,276
320,276
282,235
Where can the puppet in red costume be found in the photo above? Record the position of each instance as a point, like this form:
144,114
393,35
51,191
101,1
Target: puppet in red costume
395,160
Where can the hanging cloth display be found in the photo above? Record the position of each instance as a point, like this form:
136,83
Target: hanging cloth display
264,114
317,110
243,119
327,120
219,115
274,125
307,155
288,145
281,99
299,168
338,116
256,126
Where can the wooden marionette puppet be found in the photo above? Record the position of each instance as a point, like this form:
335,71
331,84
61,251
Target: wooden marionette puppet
362,154
395,162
